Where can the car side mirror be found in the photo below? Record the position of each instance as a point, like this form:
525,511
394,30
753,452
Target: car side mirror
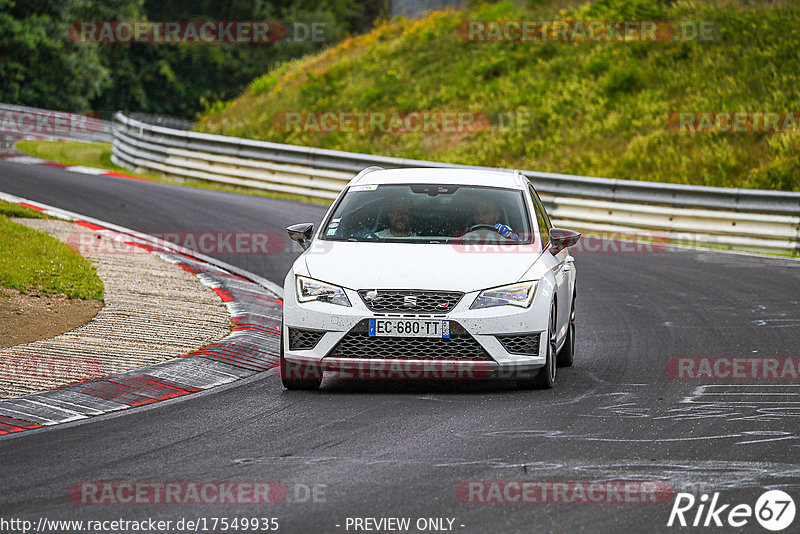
561,238
302,233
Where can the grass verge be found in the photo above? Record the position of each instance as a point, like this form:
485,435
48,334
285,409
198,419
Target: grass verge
97,155
34,261
9,209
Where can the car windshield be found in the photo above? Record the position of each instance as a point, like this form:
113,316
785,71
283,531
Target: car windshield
430,213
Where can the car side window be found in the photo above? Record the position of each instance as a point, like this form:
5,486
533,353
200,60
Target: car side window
541,218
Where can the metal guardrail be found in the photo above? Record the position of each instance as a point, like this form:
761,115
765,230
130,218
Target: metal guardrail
27,122
163,120
745,219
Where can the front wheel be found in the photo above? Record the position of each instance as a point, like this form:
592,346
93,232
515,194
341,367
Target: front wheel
291,382
566,355
546,377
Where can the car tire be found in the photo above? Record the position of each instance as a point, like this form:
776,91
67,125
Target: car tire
296,383
566,356
546,377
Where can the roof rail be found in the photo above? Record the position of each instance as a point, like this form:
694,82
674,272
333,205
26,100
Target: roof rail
366,171
519,177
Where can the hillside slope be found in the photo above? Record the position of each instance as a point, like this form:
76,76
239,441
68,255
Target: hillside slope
591,108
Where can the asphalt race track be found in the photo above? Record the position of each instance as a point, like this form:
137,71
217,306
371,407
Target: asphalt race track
375,449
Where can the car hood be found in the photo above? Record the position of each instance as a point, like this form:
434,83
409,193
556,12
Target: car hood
411,266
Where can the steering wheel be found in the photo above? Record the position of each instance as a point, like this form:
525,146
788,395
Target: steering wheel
479,226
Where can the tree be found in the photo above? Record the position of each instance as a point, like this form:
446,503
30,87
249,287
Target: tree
39,64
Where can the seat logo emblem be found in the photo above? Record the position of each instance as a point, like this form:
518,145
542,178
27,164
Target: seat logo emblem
410,301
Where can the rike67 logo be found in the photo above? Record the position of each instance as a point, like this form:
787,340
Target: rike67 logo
774,510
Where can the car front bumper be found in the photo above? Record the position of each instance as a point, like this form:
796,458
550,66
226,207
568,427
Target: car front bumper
332,323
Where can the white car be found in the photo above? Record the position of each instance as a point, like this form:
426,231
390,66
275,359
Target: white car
431,274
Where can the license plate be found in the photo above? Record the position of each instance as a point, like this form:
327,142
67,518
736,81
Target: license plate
409,328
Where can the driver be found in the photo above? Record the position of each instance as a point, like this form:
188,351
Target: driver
486,212
401,214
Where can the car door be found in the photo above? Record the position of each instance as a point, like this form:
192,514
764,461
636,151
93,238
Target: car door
561,268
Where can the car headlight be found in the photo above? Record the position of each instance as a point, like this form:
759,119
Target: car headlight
309,289
519,294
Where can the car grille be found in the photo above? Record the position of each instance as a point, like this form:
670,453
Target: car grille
411,301
459,346
304,339
521,344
